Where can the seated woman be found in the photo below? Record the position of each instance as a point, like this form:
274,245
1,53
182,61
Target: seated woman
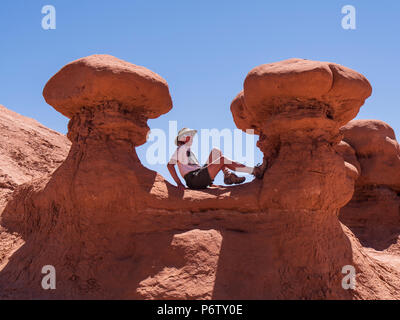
201,177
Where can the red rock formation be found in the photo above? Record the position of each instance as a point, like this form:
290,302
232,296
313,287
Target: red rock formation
297,107
98,79
28,151
373,214
114,229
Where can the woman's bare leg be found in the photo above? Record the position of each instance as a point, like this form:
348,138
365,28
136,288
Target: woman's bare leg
217,162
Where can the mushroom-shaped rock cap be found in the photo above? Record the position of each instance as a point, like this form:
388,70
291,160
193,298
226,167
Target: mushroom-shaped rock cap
241,116
94,80
377,150
290,83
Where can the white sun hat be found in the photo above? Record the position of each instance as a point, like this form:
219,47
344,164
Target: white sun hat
183,133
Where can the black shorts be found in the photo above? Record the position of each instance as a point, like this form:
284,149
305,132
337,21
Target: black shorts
198,179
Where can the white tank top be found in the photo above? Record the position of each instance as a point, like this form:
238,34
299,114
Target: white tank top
185,159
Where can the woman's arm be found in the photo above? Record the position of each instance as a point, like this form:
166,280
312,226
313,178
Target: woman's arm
172,171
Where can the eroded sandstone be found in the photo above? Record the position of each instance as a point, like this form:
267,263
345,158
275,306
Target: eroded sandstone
115,229
373,214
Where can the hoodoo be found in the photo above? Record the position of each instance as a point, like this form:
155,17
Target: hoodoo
373,214
115,229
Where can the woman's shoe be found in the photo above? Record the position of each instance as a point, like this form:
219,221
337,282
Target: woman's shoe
231,178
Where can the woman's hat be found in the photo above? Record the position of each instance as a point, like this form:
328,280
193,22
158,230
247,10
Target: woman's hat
185,132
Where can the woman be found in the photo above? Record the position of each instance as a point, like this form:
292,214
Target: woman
201,177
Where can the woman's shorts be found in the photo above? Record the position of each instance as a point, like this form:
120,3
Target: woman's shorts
198,179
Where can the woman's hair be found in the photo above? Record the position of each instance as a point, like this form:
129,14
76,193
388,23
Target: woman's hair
181,143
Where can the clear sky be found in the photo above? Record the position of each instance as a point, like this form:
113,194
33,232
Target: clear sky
204,49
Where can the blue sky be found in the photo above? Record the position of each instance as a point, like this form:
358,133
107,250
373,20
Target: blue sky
204,49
